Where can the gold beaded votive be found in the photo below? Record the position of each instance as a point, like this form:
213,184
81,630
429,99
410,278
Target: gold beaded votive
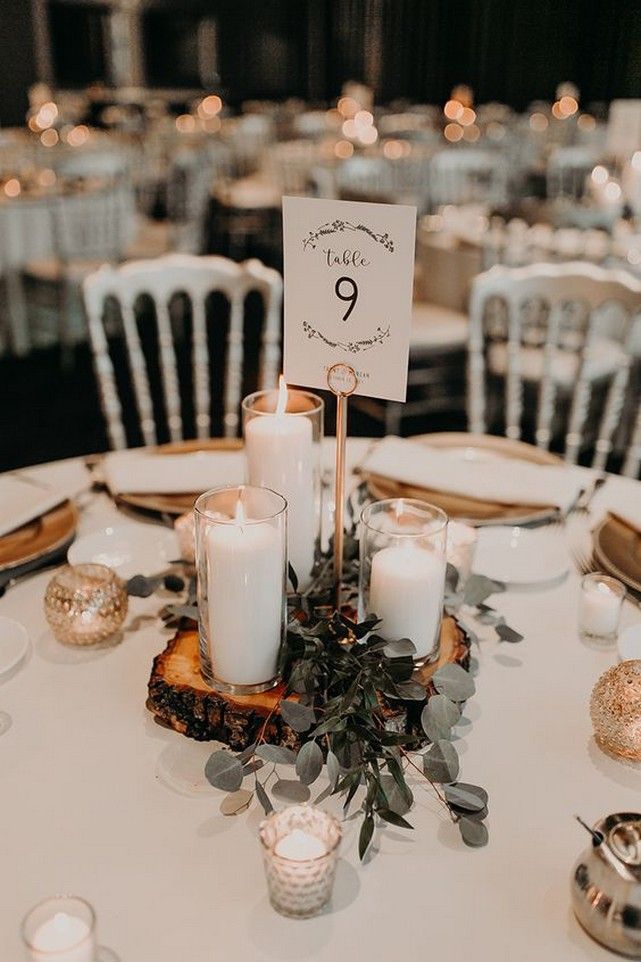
85,604
615,709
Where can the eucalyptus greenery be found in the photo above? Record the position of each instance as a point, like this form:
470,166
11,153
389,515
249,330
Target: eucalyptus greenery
343,684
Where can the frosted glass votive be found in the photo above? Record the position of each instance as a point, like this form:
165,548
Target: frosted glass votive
600,607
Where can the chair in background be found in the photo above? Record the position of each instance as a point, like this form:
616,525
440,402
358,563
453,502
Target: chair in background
468,175
161,279
192,176
567,170
402,180
565,334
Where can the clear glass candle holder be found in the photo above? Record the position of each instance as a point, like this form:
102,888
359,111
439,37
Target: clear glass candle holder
85,604
461,548
283,433
600,605
300,851
403,545
241,558
60,929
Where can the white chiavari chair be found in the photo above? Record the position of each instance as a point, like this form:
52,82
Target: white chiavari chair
563,330
161,279
567,170
468,175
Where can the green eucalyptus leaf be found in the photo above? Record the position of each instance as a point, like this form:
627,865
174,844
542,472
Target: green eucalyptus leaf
293,578
253,766
237,802
297,716
468,798
365,835
277,754
400,648
223,770
440,762
474,833
309,763
454,682
397,801
389,816
263,798
508,634
291,790
478,588
411,691
245,755
333,768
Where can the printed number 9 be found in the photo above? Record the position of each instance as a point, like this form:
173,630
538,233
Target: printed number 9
352,297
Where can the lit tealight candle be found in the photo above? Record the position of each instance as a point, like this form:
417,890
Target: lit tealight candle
300,846
600,606
300,851
61,929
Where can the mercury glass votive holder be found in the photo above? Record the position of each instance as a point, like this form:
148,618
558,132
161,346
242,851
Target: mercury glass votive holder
60,929
403,545
85,604
600,605
241,561
283,433
300,852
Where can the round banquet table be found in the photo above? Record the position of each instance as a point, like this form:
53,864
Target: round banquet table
87,806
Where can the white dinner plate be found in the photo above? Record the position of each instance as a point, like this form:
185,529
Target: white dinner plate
629,642
521,556
130,549
14,645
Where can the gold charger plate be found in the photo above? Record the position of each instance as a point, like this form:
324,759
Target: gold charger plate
617,548
38,538
176,504
474,510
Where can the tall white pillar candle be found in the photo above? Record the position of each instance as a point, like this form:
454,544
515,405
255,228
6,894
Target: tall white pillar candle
280,455
406,592
63,938
245,600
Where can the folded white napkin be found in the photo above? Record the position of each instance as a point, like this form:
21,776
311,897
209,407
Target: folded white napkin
148,473
30,492
497,479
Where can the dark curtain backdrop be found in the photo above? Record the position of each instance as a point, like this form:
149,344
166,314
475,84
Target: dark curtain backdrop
514,51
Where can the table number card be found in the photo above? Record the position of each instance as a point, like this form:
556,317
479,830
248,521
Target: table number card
349,270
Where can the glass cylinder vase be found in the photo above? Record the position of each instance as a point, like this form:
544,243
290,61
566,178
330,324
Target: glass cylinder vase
60,929
241,558
403,544
283,432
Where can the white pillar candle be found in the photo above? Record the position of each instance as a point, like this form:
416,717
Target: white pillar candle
63,938
300,846
406,592
279,448
245,599
600,608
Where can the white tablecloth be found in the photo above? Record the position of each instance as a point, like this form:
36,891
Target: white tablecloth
86,809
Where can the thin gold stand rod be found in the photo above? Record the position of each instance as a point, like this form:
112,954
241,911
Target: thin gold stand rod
339,496
342,381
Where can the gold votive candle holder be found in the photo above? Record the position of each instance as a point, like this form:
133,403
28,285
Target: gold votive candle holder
300,852
85,604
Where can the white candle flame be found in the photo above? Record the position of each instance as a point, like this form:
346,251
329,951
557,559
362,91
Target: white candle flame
281,405
239,517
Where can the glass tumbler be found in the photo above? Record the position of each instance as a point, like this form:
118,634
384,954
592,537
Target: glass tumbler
60,929
241,558
600,605
403,543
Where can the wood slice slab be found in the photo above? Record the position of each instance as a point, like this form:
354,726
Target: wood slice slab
180,699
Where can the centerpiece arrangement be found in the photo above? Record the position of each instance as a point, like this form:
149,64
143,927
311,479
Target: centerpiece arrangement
340,661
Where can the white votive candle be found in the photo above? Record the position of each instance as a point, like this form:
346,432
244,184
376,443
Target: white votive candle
406,592
245,599
600,606
63,938
300,846
280,455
